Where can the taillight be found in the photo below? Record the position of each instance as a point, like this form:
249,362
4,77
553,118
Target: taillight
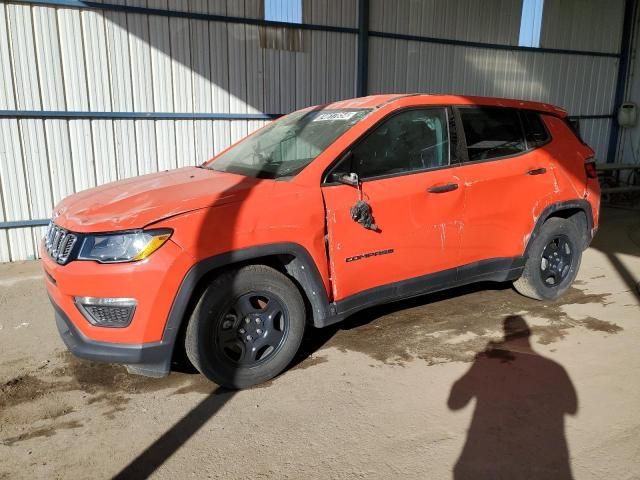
590,168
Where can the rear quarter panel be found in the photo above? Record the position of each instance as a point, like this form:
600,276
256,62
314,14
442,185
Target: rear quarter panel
568,158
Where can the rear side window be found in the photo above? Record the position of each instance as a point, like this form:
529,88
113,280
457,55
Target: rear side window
492,132
534,129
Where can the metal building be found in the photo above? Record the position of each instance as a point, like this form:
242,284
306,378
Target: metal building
92,92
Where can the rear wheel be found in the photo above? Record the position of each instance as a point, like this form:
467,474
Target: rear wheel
246,327
554,259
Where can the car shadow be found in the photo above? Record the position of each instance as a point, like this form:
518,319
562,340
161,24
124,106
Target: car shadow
521,399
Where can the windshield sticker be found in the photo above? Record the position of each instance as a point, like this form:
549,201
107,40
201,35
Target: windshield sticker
328,117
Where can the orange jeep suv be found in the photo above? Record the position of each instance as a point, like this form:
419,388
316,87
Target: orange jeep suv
319,214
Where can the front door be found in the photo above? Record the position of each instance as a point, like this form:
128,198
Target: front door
415,199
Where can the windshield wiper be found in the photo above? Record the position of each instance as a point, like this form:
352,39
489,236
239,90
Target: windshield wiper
294,170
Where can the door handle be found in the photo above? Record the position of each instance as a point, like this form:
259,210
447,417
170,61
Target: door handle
537,171
449,187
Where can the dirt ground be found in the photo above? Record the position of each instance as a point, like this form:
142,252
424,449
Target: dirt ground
419,389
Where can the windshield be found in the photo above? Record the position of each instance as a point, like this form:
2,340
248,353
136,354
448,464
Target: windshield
284,147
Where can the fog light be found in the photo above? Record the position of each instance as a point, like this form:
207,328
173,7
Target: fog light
107,312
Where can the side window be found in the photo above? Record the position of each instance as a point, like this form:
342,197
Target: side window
409,141
491,132
534,129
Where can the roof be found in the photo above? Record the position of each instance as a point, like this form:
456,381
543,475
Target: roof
371,101
377,101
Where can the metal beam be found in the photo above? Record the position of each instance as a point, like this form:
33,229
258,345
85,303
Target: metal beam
80,4
72,114
83,115
606,116
23,224
491,46
621,83
362,77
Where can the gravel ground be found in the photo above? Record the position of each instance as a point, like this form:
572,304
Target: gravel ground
419,389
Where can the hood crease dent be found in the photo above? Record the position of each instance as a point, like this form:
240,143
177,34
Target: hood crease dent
137,202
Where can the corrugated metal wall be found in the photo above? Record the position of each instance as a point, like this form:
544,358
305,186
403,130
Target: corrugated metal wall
582,25
489,21
583,84
63,59
88,60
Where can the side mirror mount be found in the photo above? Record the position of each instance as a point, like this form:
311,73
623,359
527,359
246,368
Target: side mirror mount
344,172
348,179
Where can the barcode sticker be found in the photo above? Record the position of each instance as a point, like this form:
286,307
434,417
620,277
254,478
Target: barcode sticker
328,117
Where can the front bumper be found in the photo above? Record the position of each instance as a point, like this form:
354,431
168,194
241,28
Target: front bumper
152,282
146,344
150,359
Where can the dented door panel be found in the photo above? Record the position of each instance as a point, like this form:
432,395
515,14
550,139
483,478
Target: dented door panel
502,201
418,231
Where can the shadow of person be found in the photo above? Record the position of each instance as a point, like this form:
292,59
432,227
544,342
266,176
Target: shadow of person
517,430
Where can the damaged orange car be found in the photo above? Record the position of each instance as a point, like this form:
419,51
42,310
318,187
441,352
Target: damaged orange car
321,213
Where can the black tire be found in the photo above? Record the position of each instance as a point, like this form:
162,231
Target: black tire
217,338
543,279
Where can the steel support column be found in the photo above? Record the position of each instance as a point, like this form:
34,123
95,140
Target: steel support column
362,76
623,69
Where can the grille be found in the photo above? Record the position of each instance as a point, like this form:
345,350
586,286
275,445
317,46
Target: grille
112,316
59,243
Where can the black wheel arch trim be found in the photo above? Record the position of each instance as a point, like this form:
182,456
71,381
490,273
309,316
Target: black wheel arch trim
302,268
154,359
549,211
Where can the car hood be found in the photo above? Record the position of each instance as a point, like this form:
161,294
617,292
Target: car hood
139,201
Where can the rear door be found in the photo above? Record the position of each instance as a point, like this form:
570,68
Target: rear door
507,180
415,198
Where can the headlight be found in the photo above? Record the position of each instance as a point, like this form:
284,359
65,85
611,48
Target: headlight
122,247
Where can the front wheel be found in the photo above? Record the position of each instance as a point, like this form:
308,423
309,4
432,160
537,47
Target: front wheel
246,327
554,259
